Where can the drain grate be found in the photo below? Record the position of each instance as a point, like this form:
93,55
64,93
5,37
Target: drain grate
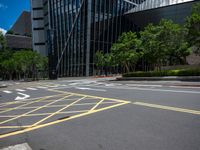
64,118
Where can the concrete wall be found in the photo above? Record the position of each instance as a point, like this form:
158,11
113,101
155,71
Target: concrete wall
38,33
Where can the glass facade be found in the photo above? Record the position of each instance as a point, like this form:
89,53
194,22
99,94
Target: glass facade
77,29
80,28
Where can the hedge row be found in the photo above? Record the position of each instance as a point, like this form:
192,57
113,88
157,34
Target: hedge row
182,72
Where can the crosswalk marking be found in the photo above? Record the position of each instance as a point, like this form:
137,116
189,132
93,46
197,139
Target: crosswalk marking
8,92
20,90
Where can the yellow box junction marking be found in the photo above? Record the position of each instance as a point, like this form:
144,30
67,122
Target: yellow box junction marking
94,104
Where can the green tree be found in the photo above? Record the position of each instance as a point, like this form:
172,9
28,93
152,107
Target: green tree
2,41
10,32
99,61
173,41
9,67
126,52
165,44
154,52
193,26
29,63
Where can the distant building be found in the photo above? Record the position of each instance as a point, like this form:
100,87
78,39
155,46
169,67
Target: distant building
18,42
39,34
19,36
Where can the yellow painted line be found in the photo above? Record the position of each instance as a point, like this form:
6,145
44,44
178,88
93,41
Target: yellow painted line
29,100
93,108
42,102
22,105
11,103
71,104
33,110
60,121
13,127
97,97
195,112
45,114
52,106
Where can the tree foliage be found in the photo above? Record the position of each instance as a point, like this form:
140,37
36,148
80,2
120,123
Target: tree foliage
10,32
193,26
126,52
156,45
2,41
21,64
165,43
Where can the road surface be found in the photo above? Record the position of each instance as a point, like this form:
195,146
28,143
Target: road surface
99,114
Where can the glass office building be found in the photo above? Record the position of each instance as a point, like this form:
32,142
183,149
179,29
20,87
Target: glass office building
75,29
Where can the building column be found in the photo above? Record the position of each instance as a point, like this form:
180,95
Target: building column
89,11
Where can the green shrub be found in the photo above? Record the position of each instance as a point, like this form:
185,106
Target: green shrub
182,72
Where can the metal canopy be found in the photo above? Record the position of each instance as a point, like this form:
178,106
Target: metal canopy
130,2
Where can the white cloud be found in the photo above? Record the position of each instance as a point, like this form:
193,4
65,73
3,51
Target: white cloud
3,31
2,6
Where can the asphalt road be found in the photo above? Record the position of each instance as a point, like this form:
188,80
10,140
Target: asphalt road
99,114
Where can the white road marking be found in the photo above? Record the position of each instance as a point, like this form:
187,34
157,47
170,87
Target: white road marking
25,96
63,85
53,86
185,87
150,89
8,92
163,90
20,90
74,83
109,85
82,88
33,89
23,146
42,87
144,85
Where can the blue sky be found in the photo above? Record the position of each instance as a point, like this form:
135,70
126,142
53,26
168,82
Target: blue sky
10,10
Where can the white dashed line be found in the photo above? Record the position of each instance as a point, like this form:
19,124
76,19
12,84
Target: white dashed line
42,87
20,90
185,87
144,85
8,92
33,89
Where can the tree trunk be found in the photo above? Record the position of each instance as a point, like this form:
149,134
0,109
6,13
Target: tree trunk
127,68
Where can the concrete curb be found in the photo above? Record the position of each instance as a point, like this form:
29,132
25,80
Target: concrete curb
169,78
